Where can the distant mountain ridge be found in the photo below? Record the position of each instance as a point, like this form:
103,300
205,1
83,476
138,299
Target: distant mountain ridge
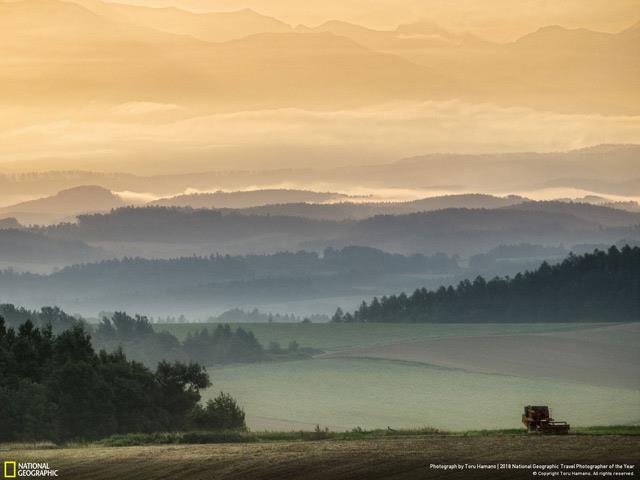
210,26
335,65
314,69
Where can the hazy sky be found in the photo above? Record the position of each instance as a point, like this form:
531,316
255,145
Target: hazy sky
501,20
130,137
99,88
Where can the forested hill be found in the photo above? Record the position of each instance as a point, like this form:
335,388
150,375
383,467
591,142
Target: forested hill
599,286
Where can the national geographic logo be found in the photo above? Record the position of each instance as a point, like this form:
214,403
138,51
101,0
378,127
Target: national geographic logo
12,469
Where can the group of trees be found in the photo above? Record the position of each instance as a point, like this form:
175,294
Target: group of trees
136,336
141,342
223,345
138,339
600,286
53,316
56,387
237,315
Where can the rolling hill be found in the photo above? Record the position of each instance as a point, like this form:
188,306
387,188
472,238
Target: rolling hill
247,199
64,205
356,211
604,215
454,231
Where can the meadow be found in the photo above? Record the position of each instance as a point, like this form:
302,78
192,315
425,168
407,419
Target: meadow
427,375
342,394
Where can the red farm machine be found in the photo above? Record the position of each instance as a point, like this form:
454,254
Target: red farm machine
537,420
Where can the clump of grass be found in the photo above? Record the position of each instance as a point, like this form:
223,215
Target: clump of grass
607,430
177,438
487,433
319,433
217,437
136,439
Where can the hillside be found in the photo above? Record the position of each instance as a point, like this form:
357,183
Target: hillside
347,210
602,286
9,223
64,205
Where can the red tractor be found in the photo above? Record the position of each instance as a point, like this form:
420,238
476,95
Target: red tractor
537,419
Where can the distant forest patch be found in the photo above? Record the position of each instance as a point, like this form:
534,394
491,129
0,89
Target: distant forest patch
599,286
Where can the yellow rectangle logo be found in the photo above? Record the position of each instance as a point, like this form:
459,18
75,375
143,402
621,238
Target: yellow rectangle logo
10,470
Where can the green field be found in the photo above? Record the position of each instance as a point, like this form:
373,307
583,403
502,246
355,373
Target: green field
342,394
342,336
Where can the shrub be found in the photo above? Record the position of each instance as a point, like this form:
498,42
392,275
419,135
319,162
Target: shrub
221,413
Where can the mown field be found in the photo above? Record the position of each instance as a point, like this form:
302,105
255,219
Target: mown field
377,459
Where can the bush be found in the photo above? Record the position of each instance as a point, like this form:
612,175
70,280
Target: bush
221,413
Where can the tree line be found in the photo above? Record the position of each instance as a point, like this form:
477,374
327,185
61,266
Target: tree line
598,286
218,346
57,387
138,339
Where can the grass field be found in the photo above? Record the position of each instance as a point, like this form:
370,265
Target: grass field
377,459
346,393
450,377
604,356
